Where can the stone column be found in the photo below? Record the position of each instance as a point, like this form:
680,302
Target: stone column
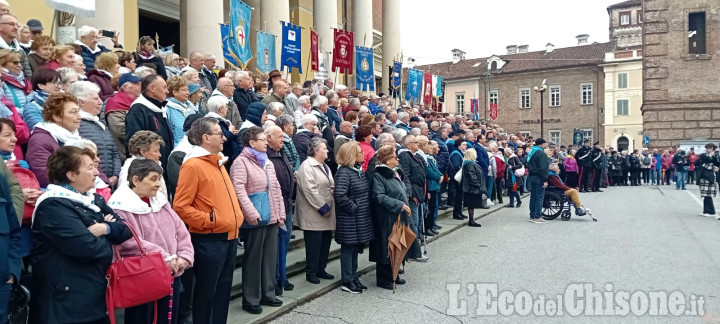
325,13
362,27
109,15
200,27
274,11
391,39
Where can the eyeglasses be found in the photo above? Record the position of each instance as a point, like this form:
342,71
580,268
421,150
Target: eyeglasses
16,62
220,133
261,139
11,24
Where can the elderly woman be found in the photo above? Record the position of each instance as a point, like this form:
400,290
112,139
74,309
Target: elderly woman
106,66
41,51
511,181
172,64
117,107
364,136
389,201
287,124
73,232
62,56
218,108
68,76
62,120
473,185
305,133
45,82
159,229
304,108
15,86
101,187
260,197
275,109
315,209
143,145
93,129
178,106
79,66
354,226
434,178
126,61
89,45
146,55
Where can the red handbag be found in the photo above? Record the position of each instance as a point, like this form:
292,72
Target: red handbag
136,280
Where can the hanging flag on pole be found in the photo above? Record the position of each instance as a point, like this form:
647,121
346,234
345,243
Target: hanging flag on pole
265,52
239,31
433,82
228,55
290,55
427,88
343,51
474,109
414,84
493,111
397,72
314,45
365,73
322,71
442,93
437,86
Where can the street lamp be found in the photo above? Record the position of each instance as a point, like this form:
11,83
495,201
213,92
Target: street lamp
541,89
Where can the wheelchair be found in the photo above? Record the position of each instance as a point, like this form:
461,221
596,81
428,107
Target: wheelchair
555,204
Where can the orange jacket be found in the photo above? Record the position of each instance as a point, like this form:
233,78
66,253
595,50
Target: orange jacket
205,198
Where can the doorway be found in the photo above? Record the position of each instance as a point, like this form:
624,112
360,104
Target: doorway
623,143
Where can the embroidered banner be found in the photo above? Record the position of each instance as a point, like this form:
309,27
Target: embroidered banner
365,73
265,52
291,43
314,45
239,31
343,51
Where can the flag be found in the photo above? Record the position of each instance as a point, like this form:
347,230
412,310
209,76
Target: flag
427,88
493,111
364,71
238,44
474,109
442,93
265,52
437,86
291,42
433,82
414,84
322,71
314,45
577,137
397,75
343,51
229,56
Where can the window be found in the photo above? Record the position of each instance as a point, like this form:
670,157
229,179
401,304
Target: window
622,82
493,97
623,107
554,96
555,136
696,32
639,16
587,93
525,98
587,134
460,103
625,18
525,133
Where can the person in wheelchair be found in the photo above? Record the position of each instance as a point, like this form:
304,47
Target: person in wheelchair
554,182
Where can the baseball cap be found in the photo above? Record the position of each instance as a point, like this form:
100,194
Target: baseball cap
35,25
128,77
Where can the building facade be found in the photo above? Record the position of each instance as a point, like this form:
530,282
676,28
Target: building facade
681,57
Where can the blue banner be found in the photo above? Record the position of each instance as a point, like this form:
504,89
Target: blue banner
414,84
397,73
291,42
265,52
228,55
238,45
437,87
577,137
364,71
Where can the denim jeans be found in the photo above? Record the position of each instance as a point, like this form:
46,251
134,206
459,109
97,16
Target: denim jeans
415,251
349,261
537,195
680,180
283,246
655,176
489,180
525,181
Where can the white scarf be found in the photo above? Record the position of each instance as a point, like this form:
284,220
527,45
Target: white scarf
216,116
90,117
199,151
59,133
92,50
149,105
126,199
106,73
55,191
183,146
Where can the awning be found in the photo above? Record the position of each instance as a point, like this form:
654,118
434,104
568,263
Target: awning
84,8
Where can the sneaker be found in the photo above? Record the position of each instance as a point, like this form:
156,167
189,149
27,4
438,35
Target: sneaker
709,215
490,203
420,259
351,287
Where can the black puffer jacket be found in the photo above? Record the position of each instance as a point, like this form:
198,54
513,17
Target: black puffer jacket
415,169
473,180
302,142
352,210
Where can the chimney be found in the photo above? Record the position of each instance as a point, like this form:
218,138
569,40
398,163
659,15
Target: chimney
511,49
582,39
523,48
549,48
458,55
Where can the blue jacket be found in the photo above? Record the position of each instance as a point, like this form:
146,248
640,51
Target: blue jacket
176,114
456,163
16,96
89,56
482,157
658,158
32,114
374,109
333,118
433,175
443,156
10,241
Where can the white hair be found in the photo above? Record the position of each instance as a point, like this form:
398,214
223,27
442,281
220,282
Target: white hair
414,131
304,99
86,30
83,90
143,71
364,109
309,118
402,115
275,107
354,102
230,75
319,101
3,2
339,87
272,128
66,73
216,102
239,75
209,57
81,143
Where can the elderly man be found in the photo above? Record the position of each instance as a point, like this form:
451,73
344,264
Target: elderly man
332,114
280,90
415,168
320,109
402,121
197,61
345,135
291,99
456,123
342,91
392,117
208,69
244,94
91,48
205,200
147,113
8,40
226,89
304,108
353,106
374,105
305,133
117,107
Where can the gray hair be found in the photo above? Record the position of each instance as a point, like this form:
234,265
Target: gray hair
315,145
214,103
319,101
143,71
382,138
309,118
402,115
284,120
354,102
230,74
414,131
304,99
364,109
240,75
66,73
275,107
199,128
86,30
330,95
209,57
83,144
387,129
83,90
399,134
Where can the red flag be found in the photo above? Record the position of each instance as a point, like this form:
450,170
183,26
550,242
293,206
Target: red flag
314,40
343,51
493,111
427,87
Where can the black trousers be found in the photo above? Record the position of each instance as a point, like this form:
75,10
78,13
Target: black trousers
458,206
708,206
572,179
317,250
585,178
596,177
214,265
383,274
185,302
497,190
430,214
259,261
145,313
691,177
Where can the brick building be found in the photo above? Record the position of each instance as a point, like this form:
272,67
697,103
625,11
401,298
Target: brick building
680,71
574,97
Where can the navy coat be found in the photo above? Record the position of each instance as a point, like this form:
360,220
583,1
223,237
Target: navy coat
10,243
352,207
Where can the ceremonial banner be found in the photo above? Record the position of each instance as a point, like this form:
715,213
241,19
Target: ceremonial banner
442,95
437,86
265,52
577,137
322,71
365,73
314,45
427,88
343,51
228,55
238,45
397,75
434,82
493,111
474,107
414,84
290,55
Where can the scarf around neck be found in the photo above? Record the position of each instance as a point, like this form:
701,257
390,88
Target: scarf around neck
92,118
261,157
59,133
64,191
534,149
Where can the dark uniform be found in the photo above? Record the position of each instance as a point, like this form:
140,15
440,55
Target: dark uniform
584,159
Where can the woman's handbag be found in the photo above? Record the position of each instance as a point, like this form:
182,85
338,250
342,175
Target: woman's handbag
261,202
136,280
520,172
458,176
18,310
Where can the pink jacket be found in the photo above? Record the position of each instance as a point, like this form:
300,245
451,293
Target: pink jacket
158,227
570,164
248,178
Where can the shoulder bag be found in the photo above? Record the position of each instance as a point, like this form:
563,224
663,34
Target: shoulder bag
261,202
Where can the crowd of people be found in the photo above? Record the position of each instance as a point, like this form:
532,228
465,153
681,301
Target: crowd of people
102,145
